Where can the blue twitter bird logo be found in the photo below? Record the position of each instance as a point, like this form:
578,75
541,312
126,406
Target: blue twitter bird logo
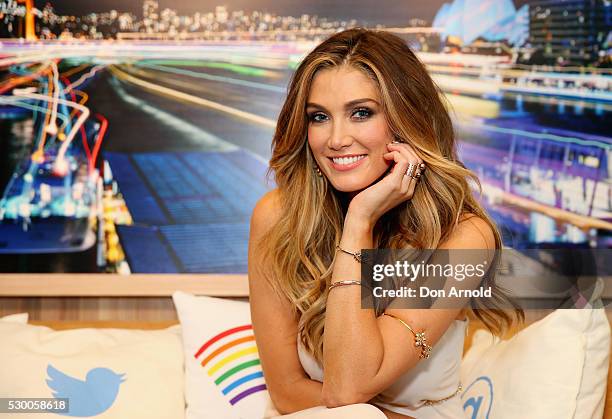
86,398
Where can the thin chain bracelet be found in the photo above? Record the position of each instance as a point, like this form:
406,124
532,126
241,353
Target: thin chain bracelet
356,255
342,283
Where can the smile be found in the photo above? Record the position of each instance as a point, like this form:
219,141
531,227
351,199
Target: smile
347,163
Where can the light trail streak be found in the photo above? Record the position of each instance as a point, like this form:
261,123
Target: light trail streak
38,155
9,84
212,77
101,133
20,103
234,68
265,55
51,128
84,98
189,130
84,77
270,123
60,162
73,70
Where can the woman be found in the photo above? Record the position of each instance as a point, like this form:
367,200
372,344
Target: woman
361,122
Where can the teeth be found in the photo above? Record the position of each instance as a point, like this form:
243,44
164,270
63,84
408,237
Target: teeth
347,160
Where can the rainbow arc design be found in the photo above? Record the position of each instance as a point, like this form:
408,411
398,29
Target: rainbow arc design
230,364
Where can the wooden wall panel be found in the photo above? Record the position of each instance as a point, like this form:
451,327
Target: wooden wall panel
129,309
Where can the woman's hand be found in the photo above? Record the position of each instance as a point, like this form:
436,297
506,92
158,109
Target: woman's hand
396,187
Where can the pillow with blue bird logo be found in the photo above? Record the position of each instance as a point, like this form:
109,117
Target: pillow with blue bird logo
101,373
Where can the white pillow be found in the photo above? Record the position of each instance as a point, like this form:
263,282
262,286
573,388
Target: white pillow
16,318
106,373
223,374
555,368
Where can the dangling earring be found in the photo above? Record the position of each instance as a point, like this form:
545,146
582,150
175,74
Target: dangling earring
319,173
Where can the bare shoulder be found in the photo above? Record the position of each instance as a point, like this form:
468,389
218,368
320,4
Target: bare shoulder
472,232
267,211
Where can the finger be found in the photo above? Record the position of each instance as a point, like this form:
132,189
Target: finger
407,149
392,155
401,165
393,146
408,183
389,155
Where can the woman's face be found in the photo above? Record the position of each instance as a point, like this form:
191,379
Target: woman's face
347,130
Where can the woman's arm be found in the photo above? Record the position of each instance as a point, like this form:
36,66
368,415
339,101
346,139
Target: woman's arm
363,355
275,325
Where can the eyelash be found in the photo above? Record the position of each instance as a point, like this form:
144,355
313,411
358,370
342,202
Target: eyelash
312,116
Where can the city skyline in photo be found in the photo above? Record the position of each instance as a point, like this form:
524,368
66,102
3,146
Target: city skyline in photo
385,12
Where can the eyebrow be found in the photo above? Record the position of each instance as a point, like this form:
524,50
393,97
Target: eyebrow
347,105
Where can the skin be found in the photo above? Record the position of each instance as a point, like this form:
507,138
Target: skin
363,354
336,130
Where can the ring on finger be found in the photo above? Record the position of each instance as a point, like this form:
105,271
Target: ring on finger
420,170
411,170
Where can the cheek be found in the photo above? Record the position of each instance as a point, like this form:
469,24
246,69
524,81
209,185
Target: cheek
375,134
316,138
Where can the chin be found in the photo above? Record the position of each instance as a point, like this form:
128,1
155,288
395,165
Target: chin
349,187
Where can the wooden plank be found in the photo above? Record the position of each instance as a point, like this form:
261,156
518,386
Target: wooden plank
59,325
111,285
107,309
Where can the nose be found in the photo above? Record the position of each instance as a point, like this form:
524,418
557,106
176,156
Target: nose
339,137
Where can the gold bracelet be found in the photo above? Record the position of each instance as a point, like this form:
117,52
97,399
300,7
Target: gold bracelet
342,283
420,340
356,255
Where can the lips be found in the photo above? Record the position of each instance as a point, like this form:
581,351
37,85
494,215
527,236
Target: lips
345,163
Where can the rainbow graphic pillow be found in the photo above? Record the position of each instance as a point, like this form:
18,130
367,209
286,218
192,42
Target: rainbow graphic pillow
223,373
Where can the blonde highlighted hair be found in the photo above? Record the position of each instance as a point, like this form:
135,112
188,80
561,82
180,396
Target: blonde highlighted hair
299,250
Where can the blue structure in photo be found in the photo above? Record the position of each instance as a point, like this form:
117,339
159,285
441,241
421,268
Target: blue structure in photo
492,20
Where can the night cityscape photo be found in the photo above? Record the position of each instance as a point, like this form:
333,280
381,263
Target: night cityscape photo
135,135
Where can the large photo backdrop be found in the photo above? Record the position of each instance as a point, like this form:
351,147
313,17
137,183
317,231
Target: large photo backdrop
135,136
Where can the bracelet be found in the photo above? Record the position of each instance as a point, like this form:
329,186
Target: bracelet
420,340
356,255
342,283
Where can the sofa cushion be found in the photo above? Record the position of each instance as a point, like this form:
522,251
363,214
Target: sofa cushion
16,318
555,368
105,373
223,373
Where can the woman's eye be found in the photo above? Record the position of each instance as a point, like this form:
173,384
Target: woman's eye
317,117
362,113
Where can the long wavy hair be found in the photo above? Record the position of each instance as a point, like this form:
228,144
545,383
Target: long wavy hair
299,251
